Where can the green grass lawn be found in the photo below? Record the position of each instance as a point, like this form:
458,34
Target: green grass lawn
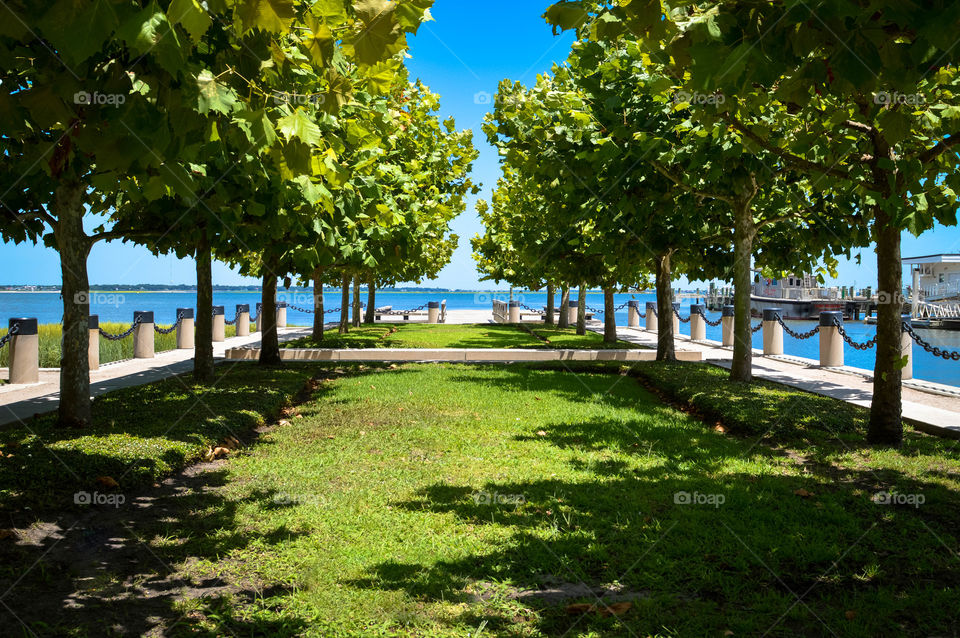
483,335
436,500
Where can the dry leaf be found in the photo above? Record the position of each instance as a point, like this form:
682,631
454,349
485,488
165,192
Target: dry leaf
579,608
107,482
541,433
231,443
616,609
804,493
850,614
719,428
284,422
329,436
7,533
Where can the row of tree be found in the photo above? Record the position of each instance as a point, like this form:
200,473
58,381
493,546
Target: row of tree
279,136
710,138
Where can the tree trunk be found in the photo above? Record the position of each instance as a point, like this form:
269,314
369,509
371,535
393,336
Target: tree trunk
203,346
344,305
318,315
356,301
886,426
741,368
269,341
582,310
609,320
73,246
564,321
666,340
368,316
549,319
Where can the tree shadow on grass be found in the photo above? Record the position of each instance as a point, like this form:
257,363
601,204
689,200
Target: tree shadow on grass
702,546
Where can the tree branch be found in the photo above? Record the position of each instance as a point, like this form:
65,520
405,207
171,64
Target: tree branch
790,158
942,147
663,171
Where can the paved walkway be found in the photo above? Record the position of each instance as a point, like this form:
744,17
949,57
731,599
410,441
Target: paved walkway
930,407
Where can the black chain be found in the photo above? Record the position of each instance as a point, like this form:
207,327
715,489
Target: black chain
332,310
935,351
5,338
707,321
682,320
797,335
166,331
757,328
122,335
403,312
621,306
298,309
854,344
230,322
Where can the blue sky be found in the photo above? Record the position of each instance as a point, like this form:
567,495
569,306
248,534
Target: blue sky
462,55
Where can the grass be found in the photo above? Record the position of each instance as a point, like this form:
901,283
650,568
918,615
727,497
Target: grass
456,336
51,337
428,500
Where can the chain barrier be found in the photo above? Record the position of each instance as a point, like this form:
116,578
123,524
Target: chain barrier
403,312
166,331
853,344
5,338
682,320
797,335
306,310
757,328
122,335
621,306
935,351
230,322
707,321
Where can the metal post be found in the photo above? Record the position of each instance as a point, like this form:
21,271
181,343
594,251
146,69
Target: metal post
651,316
698,327
831,344
143,335
243,319
24,351
727,325
906,349
258,324
93,344
219,324
433,311
676,319
514,312
281,314
772,331
572,309
185,331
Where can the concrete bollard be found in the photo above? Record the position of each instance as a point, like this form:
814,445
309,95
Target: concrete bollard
676,318
433,312
726,326
281,314
633,314
243,319
906,350
772,331
93,345
219,324
698,327
185,331
831,343
651,316
514,312
143,335
24,351
572,310
257,326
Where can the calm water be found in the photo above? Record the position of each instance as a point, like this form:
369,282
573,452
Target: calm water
47,307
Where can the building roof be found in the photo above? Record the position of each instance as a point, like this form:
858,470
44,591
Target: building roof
947,258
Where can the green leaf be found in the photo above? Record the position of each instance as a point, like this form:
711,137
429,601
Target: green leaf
77,29
319,42
379,36
213,95
191,16
566,15
299,125
273,16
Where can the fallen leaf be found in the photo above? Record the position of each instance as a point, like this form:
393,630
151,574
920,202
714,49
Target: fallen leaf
579,608
719,428
850,614
107,482
616,609
329,436
804,493
7,533
284,422
541,433
231,443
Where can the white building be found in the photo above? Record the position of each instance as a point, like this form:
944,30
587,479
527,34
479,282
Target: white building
935,276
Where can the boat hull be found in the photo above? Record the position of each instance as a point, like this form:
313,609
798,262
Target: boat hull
796,308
